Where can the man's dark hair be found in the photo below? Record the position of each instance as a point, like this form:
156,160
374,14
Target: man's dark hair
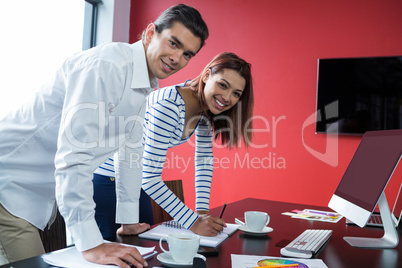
188,16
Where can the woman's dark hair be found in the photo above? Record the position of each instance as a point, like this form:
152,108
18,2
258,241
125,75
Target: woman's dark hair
188,16
238,118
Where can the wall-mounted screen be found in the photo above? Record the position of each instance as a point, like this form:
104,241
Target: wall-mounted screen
364,94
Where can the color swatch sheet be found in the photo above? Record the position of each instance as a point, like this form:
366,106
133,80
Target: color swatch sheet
247,261
315,215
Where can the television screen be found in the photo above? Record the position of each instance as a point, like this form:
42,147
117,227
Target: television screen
355,95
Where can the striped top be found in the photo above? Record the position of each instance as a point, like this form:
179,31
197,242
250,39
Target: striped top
107,168
163,129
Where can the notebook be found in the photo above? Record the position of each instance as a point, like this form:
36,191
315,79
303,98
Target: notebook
170,227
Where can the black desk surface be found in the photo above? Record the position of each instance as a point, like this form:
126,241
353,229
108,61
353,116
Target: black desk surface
336,254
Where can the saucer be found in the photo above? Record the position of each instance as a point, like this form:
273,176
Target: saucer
168,261
264,231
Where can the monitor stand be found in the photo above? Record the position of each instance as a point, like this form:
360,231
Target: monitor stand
390,238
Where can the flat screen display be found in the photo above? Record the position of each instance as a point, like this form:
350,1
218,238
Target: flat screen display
370,168
367,94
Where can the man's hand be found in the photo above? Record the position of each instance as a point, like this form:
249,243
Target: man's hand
133,229
115,253
208,225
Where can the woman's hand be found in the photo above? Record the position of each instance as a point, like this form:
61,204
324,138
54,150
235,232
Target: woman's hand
208,225
202,212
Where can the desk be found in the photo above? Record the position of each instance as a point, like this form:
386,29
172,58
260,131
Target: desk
336,254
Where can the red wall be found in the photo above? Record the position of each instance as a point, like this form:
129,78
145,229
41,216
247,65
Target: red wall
283,40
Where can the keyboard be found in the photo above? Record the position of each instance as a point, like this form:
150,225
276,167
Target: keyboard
374,220
307,243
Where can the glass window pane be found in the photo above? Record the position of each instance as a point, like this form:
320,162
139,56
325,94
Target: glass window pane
37,36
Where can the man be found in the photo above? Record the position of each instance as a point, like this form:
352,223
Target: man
93,107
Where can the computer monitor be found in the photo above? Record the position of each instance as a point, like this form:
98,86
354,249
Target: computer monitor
396,213
363,183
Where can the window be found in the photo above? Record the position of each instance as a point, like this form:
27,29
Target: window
37,36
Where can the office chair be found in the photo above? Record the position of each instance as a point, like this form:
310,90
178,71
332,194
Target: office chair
54,238
160,215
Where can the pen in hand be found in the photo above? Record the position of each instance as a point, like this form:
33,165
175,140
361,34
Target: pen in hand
149,255
223,210
146,257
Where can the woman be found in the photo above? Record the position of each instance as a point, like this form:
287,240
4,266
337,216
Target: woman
210,103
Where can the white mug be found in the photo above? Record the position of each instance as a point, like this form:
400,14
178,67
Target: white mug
182,246
256,220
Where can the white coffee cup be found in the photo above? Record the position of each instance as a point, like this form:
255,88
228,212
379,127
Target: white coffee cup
256,220
182,246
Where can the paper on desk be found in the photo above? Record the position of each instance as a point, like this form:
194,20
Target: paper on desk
315,215
244,261
72,258
206,241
